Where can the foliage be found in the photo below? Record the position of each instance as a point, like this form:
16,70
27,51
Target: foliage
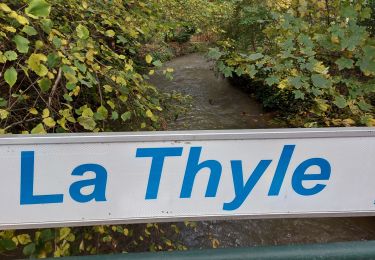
184,18
182,35
328,66
66,241
72,66
247,23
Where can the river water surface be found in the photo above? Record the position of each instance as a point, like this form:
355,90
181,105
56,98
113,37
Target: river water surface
218,105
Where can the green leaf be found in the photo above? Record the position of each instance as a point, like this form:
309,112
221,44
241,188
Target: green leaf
348,11
110,33
340,102
256,56
298,94
115,115
22,43
29,30
3,102
29,249
10,76
52,60
215,53
57,42
11,55
38,8
228,72
270,81
101,113
8,244
87,122
68,98
126,116
45,84
82,32
369,51
296,82
367,66
46,235
364,106
320,81
47,25
157,63
345,63
81,66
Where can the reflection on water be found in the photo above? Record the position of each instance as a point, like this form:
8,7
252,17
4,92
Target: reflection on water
218,105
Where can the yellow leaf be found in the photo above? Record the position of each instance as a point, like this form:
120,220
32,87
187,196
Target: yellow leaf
215,243
149,114
46,113
24,239
20,19
335,39
3,114
152,72
39,129
283,84
148,59
35,64
111,104
76,91
108,88
5,8
320,68
348,122
10,29
33,111
49,122
128,67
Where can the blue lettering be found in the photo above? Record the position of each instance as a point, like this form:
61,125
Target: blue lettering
27,196
193,167
281,169
158,156
242,191
300,175
99,183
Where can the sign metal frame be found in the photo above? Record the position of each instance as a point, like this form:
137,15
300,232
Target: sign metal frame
185,136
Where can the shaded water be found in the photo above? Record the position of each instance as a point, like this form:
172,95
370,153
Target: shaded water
218,105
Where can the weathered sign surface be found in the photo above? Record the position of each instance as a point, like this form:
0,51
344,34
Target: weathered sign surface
58,180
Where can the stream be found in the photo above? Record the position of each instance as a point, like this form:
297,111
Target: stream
219,105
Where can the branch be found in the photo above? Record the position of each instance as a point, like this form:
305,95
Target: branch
58,79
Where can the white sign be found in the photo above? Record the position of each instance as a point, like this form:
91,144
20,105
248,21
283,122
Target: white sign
58,180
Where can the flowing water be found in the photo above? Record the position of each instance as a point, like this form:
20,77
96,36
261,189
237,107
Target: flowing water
219,105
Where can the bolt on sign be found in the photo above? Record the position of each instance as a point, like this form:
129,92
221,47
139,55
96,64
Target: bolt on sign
85,179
